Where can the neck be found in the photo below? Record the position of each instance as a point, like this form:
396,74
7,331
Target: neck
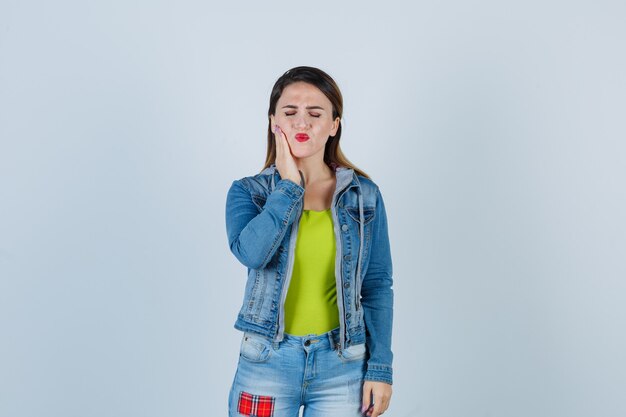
314,170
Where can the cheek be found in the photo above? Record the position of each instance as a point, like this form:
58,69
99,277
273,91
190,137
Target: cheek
279,121
325,125
282,121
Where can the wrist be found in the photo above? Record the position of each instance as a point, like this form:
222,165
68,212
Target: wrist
297,179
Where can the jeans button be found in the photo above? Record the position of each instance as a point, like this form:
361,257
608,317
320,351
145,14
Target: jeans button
307,343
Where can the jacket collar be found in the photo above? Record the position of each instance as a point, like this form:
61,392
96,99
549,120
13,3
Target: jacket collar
345,176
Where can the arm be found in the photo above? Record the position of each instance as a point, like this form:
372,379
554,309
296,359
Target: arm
377,299
253,237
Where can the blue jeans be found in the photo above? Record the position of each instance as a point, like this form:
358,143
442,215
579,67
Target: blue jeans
274,379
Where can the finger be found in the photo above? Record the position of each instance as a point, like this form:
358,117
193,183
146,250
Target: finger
280,145
378,404
282,138
277,137
367,392
286,163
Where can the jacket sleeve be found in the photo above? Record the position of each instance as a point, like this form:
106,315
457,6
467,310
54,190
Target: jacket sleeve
377,299
253,237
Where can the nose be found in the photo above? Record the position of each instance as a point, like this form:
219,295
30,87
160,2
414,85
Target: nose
300,122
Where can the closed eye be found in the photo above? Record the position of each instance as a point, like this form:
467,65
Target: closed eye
314,115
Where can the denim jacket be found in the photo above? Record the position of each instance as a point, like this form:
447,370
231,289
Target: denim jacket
262,218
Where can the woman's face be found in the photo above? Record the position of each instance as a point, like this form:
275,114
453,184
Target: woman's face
303,110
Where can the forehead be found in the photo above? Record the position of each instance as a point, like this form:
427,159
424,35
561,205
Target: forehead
301,92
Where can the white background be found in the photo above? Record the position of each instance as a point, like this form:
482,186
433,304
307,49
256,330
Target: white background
495,131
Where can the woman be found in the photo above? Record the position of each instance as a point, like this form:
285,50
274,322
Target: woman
312,230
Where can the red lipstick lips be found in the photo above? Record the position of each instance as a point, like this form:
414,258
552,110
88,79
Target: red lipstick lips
302,137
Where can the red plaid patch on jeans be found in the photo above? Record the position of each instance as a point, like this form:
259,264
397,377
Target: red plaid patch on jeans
255,405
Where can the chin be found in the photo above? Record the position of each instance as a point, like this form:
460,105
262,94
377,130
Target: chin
297,153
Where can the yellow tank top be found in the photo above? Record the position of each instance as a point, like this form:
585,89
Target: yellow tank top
311,303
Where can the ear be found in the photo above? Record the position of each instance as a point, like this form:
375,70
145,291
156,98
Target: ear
333,131
272,121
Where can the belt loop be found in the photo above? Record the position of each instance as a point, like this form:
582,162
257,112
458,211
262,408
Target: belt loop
275,345
334,338
331,340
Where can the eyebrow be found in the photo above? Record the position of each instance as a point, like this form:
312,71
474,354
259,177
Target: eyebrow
291,106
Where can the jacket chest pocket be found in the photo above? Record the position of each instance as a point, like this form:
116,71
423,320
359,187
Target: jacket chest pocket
368,214
368,217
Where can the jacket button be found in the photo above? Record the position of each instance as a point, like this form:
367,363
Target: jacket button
347,257
344,227
348,315
346,285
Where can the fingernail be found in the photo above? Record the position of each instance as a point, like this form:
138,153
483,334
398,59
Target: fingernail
363,408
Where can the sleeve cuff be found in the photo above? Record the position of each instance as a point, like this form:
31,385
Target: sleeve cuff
290,188
379,373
